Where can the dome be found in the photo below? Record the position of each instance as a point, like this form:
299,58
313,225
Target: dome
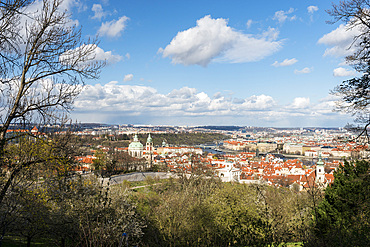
135,143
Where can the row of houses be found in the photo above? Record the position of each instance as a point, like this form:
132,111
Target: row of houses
243,168
307,148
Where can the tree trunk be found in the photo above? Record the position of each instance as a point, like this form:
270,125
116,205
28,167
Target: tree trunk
28,241
63,242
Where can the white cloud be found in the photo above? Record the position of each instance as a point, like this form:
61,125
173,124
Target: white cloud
28,19
303,71
340,40
107,56
97,54
300,102
128,77
339,72
68,4
311,9
249,24
113,102
281,16
183,101
286,62
98,12
113,28
213,40
258,102
128,56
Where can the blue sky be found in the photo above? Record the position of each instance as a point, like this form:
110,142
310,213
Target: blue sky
235,62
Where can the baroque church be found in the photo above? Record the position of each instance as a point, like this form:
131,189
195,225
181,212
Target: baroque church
136,149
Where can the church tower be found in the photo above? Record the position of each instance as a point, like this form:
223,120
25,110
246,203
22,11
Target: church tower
320,171
149,145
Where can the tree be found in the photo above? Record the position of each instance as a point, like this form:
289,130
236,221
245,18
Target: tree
9,32
52,159
44,66
87,214
356,15
355,99
355,93
34,216
342,218
76,211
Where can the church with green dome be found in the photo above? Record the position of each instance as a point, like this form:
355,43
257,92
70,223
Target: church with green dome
136,149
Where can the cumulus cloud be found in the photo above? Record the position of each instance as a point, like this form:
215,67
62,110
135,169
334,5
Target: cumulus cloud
300,102
340,72
128,77
113,28
96,54
185,105
107,56
311,9
99,13
303,71
281,16
286,62
183,101
340,41
258,102
213,40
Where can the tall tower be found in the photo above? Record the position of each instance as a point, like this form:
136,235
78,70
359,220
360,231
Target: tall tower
320,171
149,144
149,148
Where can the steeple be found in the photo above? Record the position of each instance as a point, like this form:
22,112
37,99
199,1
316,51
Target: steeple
149,149
320,171
149,140
135,138
149,144
320,162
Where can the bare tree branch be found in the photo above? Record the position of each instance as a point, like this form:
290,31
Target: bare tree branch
44,64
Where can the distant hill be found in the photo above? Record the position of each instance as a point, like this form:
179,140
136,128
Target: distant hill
226,128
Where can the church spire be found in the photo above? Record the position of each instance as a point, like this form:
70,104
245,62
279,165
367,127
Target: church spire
149,140
136,139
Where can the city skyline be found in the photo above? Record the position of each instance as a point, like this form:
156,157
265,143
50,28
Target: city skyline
262,63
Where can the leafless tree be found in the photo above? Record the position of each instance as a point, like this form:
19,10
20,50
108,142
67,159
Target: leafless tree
43,68
356,15
354,94
10,14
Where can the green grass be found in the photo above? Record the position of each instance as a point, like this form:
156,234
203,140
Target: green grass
297,244
15,241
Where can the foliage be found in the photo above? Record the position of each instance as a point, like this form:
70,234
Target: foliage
44,65
103,218
32,160
199,211
76,212
343,216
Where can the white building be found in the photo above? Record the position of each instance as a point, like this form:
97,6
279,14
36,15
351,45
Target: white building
135,149
228,173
